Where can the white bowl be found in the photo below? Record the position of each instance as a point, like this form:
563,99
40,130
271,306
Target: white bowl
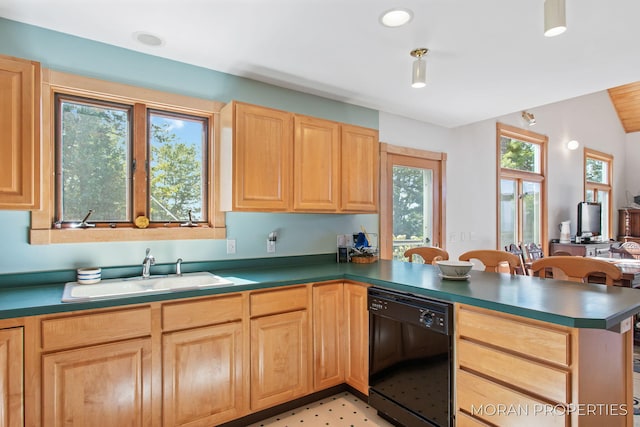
454,268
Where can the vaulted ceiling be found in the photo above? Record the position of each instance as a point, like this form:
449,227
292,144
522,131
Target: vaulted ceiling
626,100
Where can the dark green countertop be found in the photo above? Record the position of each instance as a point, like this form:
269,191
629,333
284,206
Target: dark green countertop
564,303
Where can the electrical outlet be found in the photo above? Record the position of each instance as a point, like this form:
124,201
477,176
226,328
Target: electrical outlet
231,246
271,246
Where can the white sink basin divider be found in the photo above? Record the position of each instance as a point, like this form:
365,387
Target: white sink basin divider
117,288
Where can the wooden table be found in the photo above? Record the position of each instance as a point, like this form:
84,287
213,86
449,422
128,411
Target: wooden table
630,272
630,279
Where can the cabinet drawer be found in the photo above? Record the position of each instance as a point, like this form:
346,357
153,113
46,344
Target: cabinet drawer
279,301
549,382
93,328
499,405
182,315
515,335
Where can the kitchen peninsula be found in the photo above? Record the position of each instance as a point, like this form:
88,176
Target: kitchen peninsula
534,343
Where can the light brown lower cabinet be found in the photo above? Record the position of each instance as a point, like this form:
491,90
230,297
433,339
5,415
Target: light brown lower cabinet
279,358
203,359
513,371
202,375
341,335
357,336
191,362
96,368
11,380
328,335
101,385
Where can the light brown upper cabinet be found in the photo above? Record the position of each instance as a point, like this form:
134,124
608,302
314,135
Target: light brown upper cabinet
19,134
256,157
316,166
360,165
272,161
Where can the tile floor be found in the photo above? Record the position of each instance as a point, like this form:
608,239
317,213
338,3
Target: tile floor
346,410
339,410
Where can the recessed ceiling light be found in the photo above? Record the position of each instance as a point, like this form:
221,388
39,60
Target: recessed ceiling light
148,38
396,17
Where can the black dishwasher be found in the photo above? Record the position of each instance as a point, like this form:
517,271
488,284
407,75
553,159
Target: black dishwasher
410,358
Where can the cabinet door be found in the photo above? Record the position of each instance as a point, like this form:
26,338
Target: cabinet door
11,384
279,359
357,336
102,385
328,335
202,375
316,164
262,158
359,167
19,134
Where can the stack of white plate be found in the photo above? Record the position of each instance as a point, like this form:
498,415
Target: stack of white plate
88,276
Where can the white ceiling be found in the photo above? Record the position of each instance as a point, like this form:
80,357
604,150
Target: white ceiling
486,58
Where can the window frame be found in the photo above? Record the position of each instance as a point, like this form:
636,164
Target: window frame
59,98
519,176
205,168
597,186
43,229
410,157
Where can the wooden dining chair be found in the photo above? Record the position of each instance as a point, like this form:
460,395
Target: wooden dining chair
516,249
532,252
576,269
427,253
491,258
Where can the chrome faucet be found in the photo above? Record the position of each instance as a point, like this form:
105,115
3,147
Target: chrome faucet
148,261
179,267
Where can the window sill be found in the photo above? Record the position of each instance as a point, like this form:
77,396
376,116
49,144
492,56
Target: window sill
89,235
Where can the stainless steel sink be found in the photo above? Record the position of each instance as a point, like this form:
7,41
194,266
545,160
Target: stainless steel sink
117,288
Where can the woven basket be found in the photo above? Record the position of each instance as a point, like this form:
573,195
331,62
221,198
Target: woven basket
364,259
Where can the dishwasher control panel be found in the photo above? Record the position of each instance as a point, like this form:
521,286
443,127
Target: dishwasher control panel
417,310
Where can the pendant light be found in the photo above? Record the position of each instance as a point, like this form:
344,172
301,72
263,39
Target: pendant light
555,21
419,71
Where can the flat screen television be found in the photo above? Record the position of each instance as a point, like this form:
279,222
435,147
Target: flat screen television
589,219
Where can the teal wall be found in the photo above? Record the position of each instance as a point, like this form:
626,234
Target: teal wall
63,52
299,234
